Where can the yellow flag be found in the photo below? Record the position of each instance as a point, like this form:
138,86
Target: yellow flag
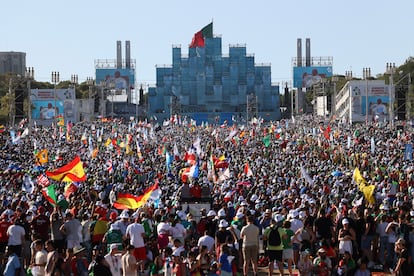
358,178
127,149
368,192
42,156
108,142
367,189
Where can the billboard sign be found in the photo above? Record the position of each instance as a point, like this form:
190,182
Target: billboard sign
304,77
378,102
119,79
49,103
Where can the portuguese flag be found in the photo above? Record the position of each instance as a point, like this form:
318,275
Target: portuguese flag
198,38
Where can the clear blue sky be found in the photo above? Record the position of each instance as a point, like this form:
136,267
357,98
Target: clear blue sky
67,36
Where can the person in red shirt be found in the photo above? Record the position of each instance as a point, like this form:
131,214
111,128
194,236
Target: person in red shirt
195,191
4,224
41,224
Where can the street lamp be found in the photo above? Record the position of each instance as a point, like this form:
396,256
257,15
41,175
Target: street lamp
55,80
90,82
390,69
102,85
366,72
29,75
74,81
333,102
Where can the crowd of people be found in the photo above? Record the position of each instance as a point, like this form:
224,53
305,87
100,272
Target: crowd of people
232,198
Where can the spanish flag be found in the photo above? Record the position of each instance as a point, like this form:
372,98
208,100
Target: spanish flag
73,171
129,201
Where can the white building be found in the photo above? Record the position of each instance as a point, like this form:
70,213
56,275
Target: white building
351,101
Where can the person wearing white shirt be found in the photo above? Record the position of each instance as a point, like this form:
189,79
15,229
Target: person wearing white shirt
136,233
207,241
38,268
113,260
16,234
178,231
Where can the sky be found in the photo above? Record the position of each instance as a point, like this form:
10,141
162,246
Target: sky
68,36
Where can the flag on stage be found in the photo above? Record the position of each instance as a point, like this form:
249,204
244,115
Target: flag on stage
73,171
129,201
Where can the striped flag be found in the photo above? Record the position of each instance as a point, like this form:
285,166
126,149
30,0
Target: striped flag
43,181
109,166
129,201
73,171
49,194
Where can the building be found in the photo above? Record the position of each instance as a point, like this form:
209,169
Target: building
351,103
207,86
13,62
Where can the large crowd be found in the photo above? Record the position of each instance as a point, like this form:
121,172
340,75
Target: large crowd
279,195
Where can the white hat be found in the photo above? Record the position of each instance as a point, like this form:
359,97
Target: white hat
211,213
223,223
182,215
243,203
279,218
113,246
230,204
124,214
221,213
61,197
254,197
78,249
239,215
345,221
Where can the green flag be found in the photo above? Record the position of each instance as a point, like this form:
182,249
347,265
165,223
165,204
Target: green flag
266,140
50,194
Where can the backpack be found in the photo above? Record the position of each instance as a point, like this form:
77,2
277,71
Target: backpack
274,237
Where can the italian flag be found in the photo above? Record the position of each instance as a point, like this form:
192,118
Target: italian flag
49,194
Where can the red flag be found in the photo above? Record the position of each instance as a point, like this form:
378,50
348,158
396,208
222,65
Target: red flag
70,188
326,132
43,181
247,171
198,39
